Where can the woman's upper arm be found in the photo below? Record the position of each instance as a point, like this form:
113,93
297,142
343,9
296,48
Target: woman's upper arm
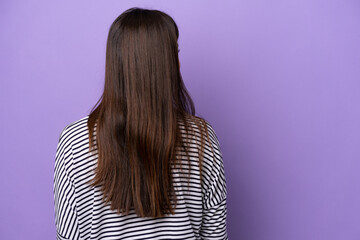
64,191
214,190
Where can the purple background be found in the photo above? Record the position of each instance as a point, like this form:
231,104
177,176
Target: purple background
278,80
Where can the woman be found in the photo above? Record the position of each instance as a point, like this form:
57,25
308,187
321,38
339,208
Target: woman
141,165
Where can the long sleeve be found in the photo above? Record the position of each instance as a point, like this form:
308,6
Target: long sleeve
64,192
214,204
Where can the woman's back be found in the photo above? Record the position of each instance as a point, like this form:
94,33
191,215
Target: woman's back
200,212
141,165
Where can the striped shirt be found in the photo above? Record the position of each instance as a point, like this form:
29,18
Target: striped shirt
80,212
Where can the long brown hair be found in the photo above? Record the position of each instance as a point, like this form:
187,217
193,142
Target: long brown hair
137,117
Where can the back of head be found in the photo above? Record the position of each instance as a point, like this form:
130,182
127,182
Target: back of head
137,116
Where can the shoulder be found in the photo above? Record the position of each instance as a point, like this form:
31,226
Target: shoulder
199,124
212,151
64,152
71,132
201,136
